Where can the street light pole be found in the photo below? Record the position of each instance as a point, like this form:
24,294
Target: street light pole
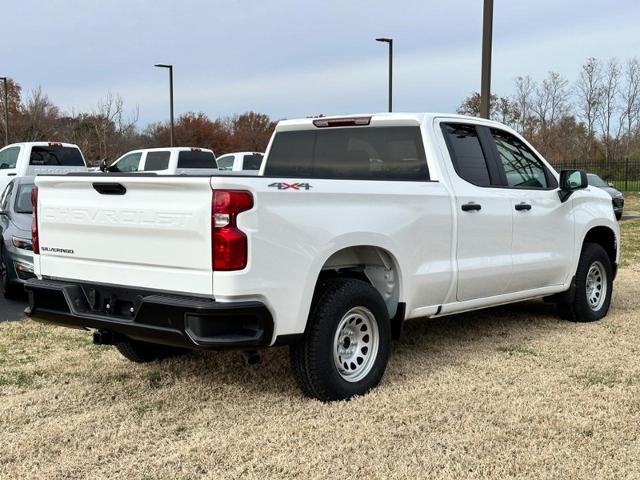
6,111
170,67
390,42
485,82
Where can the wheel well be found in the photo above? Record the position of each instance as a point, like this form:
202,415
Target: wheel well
606,238
373,265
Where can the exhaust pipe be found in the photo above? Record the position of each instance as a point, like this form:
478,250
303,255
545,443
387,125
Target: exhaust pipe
252,357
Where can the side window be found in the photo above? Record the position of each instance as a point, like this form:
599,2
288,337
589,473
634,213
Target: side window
466,153
128,163
521,167
252,162
157,161
5,197
226,162
9,158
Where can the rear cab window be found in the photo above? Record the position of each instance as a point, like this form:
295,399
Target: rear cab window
55,155
196,159
355,153
157,161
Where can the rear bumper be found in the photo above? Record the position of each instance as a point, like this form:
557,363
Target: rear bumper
169,319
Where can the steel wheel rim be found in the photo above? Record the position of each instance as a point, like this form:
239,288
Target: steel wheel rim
355,344
596,288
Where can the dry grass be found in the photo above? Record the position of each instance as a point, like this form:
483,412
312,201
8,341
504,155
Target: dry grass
632,202
511,392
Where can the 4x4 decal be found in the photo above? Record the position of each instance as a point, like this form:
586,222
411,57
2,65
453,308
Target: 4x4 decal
290,186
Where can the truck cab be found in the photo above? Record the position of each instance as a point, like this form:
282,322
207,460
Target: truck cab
165,161
37,158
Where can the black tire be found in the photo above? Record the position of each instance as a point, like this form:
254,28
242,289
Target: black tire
618,215
312,358
578,308
143,352
10,291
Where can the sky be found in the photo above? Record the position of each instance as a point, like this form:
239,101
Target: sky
291,58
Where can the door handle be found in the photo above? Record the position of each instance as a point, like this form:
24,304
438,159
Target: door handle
469,207
523,206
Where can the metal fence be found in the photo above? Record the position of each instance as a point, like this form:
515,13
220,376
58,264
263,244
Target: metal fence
624,173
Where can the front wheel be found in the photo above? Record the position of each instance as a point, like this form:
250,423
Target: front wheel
347,344
594,286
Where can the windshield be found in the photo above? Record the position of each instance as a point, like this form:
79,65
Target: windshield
23,199
56,156
596,181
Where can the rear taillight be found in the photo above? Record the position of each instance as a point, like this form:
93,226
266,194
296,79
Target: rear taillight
34,221
229,243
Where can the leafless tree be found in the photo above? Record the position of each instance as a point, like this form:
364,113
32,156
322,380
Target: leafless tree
630,97
40,115
609,106
110,122
589,91
523,98
551,103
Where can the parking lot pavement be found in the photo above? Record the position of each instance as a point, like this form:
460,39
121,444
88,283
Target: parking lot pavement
12,309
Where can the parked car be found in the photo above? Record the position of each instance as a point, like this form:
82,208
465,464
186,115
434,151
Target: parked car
241,161
617,199
35,158
165,161
358,224
16,250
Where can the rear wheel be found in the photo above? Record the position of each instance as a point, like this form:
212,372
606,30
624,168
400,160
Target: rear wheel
594,286
9,290
143,352
347,344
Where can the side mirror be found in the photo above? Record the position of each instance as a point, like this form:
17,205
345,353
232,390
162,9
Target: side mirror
611,184
103,165
570,181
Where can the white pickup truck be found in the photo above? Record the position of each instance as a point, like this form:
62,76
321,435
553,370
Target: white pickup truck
355,225
37,158
165,161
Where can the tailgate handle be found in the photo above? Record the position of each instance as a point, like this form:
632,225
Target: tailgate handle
110,188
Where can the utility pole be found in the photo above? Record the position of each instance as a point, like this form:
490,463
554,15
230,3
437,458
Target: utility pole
6,111
170,67
485,83
390,42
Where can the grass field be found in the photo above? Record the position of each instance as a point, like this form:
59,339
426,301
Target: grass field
511,392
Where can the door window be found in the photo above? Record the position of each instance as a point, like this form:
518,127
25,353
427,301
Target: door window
128,163
226,162
9,158
466,152
521,167
157,161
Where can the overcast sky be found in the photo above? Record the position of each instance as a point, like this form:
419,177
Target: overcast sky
296,58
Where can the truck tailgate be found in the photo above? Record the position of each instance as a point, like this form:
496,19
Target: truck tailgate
152,232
